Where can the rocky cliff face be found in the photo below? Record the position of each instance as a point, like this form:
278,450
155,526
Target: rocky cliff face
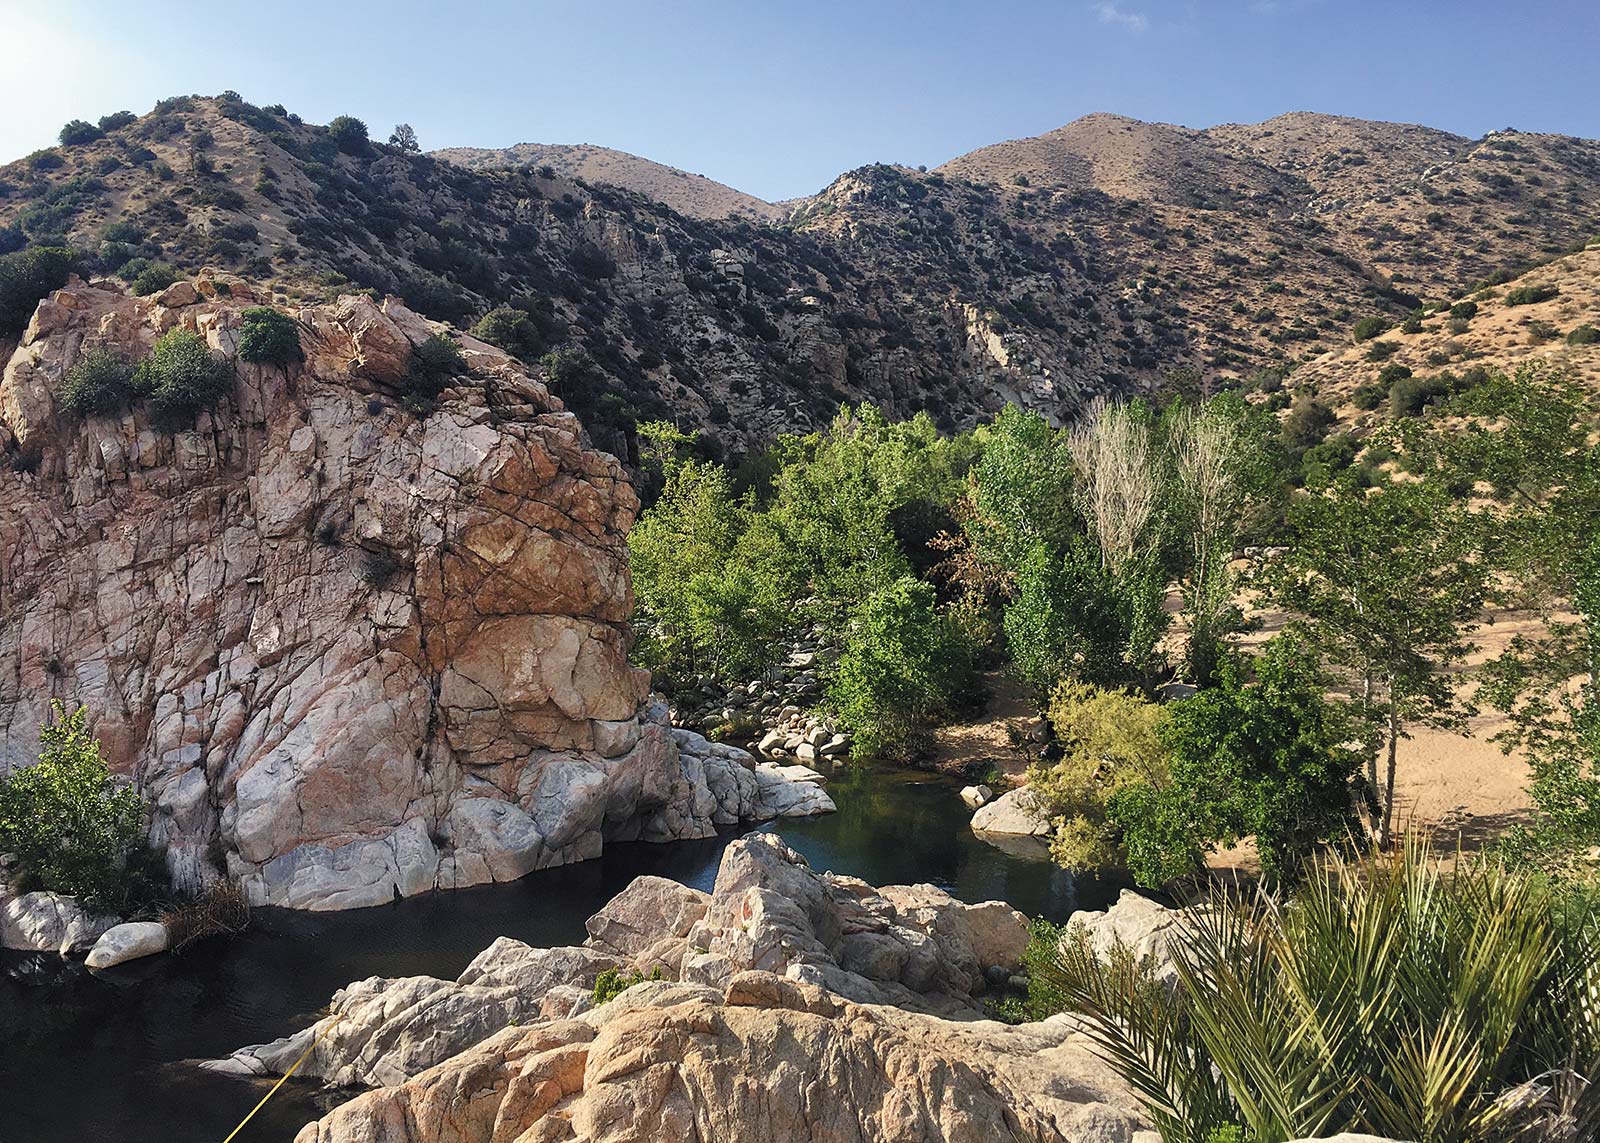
344,651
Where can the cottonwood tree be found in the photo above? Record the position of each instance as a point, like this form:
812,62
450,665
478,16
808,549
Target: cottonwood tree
1526,444
1390,581
1221,475
1120,475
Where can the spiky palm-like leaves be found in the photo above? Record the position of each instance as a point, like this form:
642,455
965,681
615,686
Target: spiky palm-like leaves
1394,998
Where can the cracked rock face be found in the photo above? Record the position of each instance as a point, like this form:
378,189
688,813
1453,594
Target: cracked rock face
345,652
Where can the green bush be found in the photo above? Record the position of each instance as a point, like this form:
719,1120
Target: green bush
267,337
1369,327
1410,395
1369,396
99,383
68,826
349,134
510,329
116,120
78,132
1109,740
1268,758
902,669
1583,335
433,363
153,278
1044,998
181,376
1528,295
26,276
1464,311
1382,350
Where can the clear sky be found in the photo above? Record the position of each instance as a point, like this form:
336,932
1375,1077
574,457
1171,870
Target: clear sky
777,99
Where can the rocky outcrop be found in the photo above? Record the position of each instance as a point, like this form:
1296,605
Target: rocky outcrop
48,922
914,946
1144,927
346,652
764,1058
1015,812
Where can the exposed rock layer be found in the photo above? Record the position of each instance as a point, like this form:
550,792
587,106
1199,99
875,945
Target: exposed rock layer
345,651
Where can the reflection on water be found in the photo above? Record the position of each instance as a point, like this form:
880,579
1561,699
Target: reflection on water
99,1057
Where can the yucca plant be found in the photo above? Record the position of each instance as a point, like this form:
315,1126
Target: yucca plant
1394,997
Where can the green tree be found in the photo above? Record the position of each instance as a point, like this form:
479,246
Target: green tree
69,826
1390,581
349,134
78,132
901,671
1525,442
404,138
1269,758
1065,617
710,597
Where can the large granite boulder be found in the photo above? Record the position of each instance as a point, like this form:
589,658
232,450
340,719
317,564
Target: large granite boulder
1015,812
346,651
128,941
1144,927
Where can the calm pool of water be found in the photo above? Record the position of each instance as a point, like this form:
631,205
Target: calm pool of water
103,1057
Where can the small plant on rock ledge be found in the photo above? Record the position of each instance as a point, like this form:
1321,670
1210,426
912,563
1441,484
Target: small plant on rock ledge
434,362
267,337
181,376
612,983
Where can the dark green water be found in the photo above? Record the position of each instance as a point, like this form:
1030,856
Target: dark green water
86,1057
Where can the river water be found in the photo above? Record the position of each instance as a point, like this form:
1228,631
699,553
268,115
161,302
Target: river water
103,1057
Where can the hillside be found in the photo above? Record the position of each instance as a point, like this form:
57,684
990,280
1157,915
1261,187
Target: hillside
1494,328
689,194
1108,256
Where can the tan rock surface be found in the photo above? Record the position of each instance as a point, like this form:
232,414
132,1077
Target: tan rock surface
768,1059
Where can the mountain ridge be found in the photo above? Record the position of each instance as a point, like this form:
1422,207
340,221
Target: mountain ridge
1133,257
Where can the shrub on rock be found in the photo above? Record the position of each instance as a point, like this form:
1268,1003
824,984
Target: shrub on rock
181,376
152,278
99,383
25,277
267,337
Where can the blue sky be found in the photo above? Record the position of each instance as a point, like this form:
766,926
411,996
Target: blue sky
777,99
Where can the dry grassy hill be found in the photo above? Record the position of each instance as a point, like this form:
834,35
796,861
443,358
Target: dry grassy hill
1531,318
687,193
1126,158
